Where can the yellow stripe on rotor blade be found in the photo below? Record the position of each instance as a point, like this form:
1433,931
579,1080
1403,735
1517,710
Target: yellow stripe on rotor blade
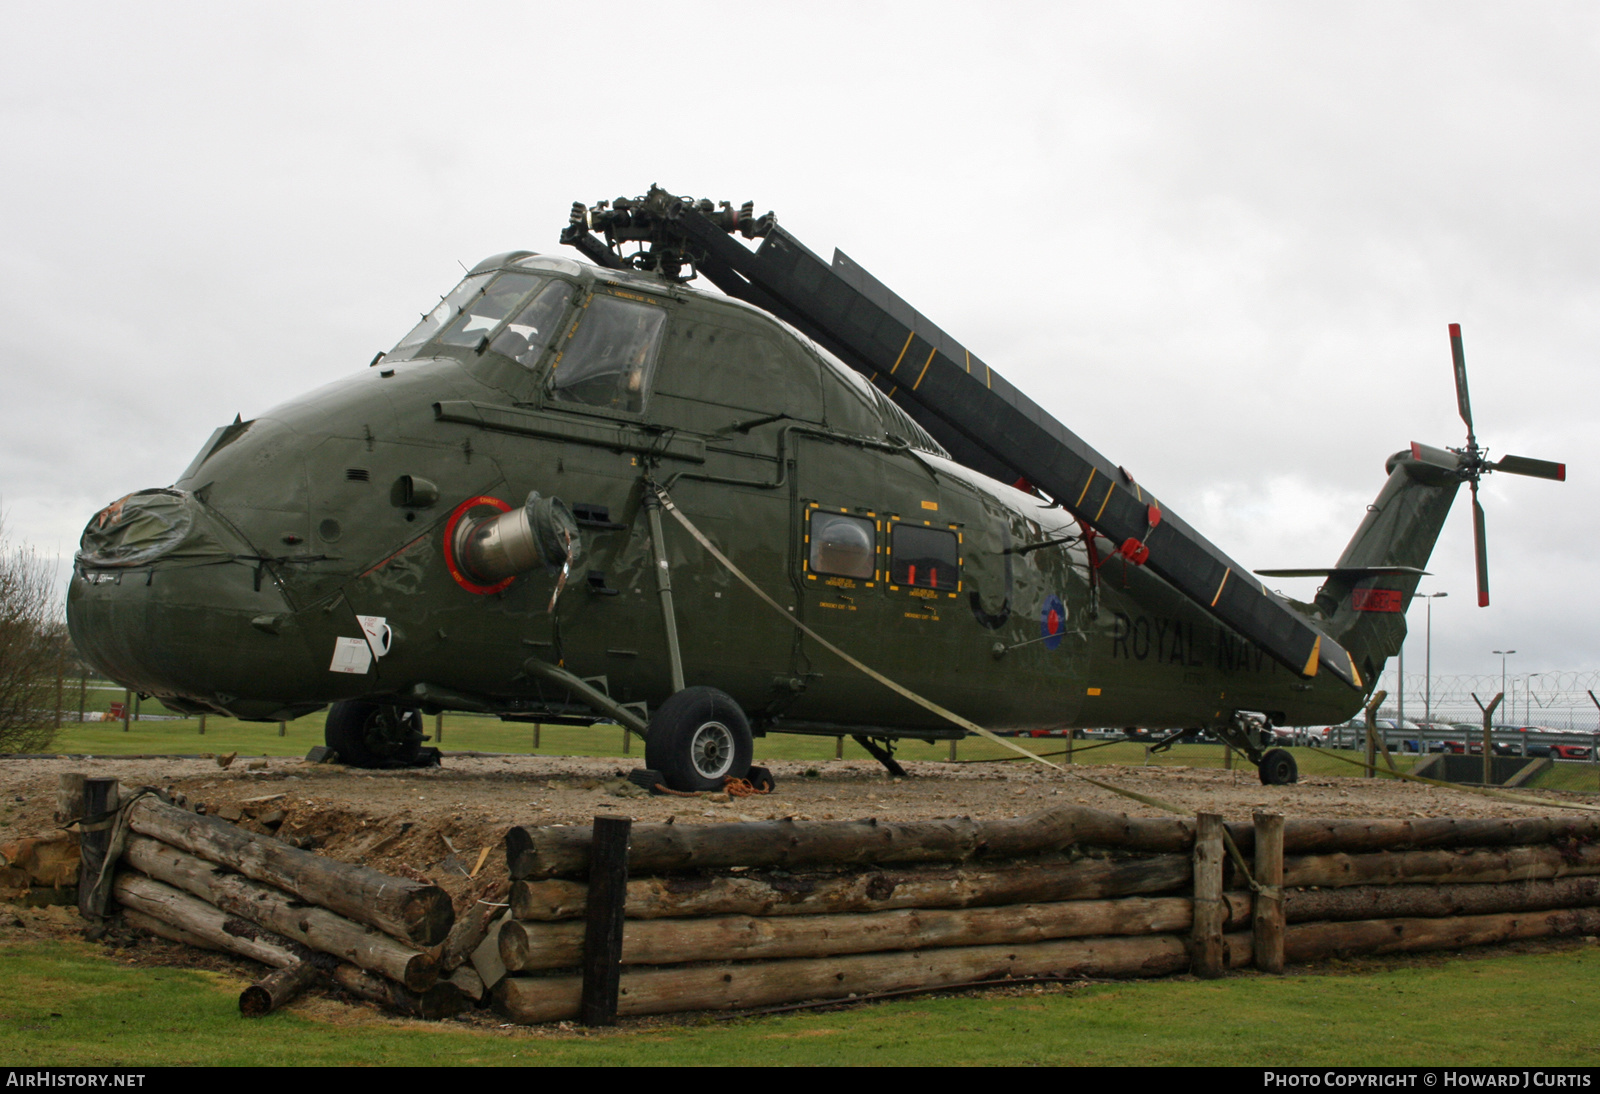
1354,675
909,336
925,365
1104,501
1092,472
1220,584
1311,663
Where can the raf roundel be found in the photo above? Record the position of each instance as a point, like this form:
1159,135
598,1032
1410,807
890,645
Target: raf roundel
1052,621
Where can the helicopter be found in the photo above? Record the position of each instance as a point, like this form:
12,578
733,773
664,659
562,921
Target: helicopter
475,522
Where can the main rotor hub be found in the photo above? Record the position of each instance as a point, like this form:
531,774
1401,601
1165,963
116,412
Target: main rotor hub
652,224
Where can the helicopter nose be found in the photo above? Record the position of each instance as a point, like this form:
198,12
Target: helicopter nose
167,599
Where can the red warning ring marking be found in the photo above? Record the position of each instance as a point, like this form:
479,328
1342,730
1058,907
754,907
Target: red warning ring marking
450,545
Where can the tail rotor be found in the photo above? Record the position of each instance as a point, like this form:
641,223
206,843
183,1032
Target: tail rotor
1472,464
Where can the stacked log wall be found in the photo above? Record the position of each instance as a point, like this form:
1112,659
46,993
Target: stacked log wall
768,913
771,913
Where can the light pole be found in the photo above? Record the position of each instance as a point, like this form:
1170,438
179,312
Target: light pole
1527,698
1427,692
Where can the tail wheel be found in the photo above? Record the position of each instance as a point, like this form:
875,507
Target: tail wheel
698,740
373,734
1277,768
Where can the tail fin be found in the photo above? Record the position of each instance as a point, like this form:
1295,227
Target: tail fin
1364,600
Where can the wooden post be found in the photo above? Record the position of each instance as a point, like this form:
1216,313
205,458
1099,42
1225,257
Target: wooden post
626,734
603,916
438,728
83,695
1269,899
1488,733
838,748
536,736
136,707
283,729
127,708
1227,756
202,725
1205,952
1372,733
952,750
1072,735
99,809
69,797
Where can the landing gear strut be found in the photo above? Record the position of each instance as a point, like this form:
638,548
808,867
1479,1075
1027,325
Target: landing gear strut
1250,734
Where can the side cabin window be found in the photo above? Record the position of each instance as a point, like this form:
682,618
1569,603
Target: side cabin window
841,545
609,355
525,338
721,365
924,558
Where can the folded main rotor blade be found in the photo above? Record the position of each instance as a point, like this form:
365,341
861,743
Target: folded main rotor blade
1459,355
1539,469
1480,549
991,426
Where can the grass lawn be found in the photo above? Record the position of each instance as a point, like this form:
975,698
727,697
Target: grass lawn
78,1004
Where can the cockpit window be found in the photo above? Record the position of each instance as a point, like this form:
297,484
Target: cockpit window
439,316
526,336
609,355
483,313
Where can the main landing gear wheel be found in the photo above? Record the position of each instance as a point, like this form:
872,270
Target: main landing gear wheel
373,735
1277,768
698,740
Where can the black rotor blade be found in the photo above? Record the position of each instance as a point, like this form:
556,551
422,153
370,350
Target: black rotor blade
1460,357
1539,469
1480,549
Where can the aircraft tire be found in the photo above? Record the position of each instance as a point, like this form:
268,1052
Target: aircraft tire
373,735
1277,768
698,739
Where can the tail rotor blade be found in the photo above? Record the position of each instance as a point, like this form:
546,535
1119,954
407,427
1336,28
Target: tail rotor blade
1460,357
1539,469
1480,544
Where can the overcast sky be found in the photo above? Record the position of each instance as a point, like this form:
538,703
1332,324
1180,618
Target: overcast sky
1220,241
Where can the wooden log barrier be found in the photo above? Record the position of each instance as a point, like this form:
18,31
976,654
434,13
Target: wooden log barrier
194,918
1314,941
1474,866
867,891
657,848
171,913
278,988
443,1000
531,1000
408,910
1437,901
315,927
1352,836
1206,932
526,946
563,851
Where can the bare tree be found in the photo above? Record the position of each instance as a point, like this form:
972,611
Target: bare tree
31,649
